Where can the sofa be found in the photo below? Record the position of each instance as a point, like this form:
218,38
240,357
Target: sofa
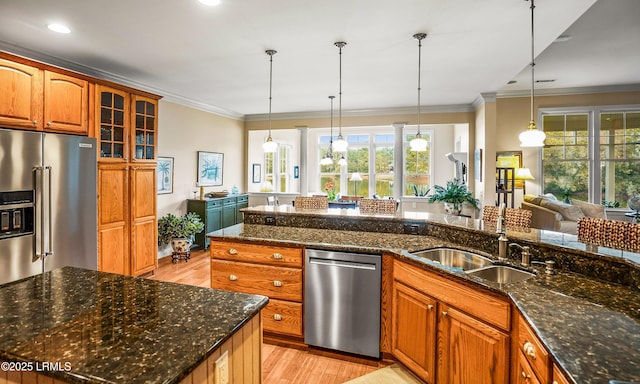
547,212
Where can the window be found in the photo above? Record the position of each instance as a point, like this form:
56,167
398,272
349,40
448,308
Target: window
417,166
358,161
592,154
269,172
383,144
328,173
277,166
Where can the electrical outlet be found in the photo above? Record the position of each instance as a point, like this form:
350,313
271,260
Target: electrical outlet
222,369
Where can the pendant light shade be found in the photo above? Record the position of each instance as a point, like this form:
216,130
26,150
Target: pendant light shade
342,161
532,137
328,158
340,145
418,144
270,146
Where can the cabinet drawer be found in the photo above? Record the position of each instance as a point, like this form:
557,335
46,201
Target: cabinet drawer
275,282
489,308
214,203
283,317
243,199
229,201
525,374
558,377
251,253
533,350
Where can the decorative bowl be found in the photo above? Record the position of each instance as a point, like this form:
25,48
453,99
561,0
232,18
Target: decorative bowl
219,194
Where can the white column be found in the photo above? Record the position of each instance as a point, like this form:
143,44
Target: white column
304,172
398,155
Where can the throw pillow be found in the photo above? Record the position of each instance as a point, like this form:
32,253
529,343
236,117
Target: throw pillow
568,211
590,210
533,199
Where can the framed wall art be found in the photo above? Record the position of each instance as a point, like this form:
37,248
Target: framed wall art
164,175
210,168
256,175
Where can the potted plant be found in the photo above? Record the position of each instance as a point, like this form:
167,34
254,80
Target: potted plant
179,231
453,195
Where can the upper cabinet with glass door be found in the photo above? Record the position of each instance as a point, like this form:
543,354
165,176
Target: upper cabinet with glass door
112,113
144,130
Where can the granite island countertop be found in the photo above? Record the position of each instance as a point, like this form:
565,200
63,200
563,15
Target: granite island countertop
111,328
591,327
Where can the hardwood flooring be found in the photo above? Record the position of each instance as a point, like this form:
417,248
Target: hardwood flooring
281,365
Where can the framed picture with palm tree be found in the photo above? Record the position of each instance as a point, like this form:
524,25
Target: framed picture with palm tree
164,174
210,166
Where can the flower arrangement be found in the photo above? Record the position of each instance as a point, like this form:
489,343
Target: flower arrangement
330,188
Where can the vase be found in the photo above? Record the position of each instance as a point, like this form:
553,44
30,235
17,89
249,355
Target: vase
452,208
181,245
634,203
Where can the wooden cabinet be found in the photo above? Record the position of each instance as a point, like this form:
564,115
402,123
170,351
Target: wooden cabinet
271,271
136,168
558,376
535,365
37,99
217,213
447,332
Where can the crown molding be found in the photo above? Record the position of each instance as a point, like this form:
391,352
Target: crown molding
362,112
104,75
570,90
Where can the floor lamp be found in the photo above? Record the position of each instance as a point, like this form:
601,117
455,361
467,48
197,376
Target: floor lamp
355,177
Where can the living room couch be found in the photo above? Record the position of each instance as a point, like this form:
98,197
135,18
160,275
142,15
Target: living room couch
551,213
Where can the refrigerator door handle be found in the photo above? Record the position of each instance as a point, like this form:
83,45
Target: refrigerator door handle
49,251
38,183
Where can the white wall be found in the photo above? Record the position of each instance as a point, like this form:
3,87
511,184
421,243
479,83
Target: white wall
182,132
256,155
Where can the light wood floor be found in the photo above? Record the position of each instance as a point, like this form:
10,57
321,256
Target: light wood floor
281,365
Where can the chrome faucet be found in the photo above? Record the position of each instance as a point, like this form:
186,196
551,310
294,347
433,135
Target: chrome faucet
525,253
501,229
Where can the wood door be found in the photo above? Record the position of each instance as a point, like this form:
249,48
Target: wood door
470,351
144,232
414,330
113,218
144,118
20,95
66,104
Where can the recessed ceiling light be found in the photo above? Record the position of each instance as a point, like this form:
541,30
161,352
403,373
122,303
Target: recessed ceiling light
562,38
545,81
511,82
210,2
60,28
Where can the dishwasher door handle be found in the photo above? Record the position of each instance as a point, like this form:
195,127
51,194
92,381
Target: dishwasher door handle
342,264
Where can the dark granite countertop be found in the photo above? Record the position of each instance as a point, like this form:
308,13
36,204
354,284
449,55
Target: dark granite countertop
591,327
111,328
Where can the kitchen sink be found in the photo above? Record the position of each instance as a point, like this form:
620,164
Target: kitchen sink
501,274
455,258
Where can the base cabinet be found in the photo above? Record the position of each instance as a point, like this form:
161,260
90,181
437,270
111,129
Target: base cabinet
448,333
217,213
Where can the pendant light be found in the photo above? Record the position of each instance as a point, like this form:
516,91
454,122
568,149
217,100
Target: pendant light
328,158
418,144
532,137
270,146
340,145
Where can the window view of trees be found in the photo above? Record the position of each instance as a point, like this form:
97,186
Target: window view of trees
384,164
417,170
608,150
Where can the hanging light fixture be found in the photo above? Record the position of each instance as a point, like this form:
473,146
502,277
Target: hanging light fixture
532,137
270,146
418,144
328,158
342,160
340,145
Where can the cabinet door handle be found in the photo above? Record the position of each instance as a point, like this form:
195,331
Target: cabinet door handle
277,283
233,251
49,124
35,122
430,306
525,376
233,277
277,317
529,349
445,313
277,256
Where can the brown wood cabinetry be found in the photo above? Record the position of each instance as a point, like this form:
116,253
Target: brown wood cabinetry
127,154
37,99
275,272
447,332
558,377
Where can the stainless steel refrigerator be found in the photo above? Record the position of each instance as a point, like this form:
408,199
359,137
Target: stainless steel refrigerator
48,203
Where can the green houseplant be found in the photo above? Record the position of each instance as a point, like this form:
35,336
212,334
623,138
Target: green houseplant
179,231
453,195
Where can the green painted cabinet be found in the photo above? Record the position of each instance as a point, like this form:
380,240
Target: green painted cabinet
216,213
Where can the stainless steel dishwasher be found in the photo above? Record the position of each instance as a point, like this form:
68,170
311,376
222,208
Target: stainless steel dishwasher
342,301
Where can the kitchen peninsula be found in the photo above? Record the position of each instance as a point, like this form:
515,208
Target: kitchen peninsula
587,326
93,327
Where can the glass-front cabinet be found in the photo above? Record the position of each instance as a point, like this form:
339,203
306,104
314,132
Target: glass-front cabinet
113,122
145,121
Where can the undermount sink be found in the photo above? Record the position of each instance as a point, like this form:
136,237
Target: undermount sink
501,274
455,258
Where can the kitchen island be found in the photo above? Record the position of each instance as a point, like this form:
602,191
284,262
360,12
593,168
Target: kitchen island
590,327
82,326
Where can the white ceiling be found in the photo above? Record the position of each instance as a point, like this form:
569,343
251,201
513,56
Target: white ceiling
213,58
